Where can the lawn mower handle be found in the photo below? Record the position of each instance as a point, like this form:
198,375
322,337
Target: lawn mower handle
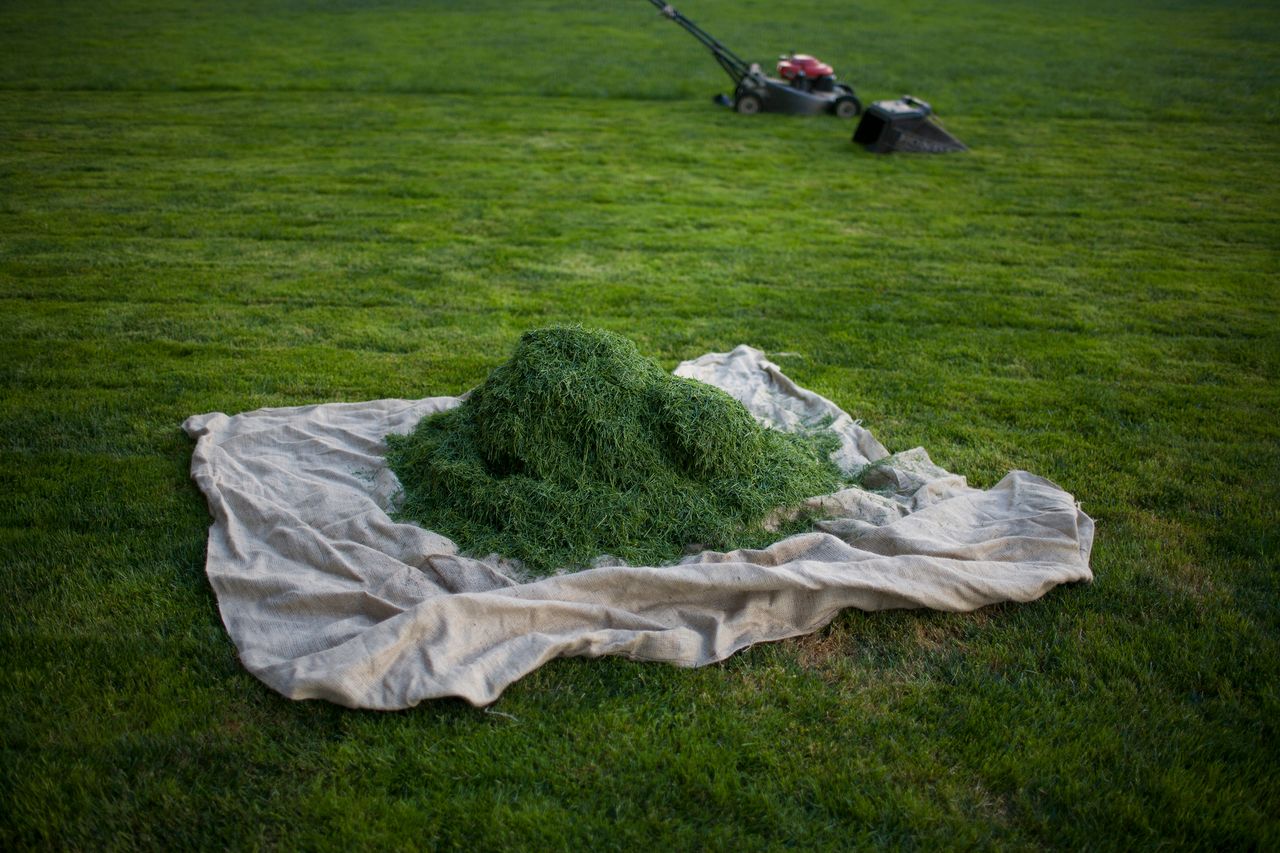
733,65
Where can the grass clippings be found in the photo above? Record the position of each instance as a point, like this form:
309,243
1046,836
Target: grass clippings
580,446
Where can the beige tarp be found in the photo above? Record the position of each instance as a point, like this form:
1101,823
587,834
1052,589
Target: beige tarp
325,596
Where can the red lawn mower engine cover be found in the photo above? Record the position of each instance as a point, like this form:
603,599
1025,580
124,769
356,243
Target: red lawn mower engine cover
806,72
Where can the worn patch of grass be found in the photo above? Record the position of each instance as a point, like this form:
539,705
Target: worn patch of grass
221,206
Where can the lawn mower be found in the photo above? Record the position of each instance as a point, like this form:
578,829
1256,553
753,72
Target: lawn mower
804,85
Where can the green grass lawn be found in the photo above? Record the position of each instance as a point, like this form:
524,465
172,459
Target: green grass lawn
223,206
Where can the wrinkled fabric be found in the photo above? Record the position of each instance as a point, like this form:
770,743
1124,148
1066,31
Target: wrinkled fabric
326,596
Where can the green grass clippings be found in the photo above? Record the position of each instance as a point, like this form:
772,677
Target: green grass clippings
580,446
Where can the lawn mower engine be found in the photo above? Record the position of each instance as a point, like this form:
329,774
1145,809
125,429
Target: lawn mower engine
806,72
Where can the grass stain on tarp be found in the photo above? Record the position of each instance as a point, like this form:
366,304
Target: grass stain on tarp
579,446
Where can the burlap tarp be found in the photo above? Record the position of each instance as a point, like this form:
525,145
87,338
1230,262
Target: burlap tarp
325,596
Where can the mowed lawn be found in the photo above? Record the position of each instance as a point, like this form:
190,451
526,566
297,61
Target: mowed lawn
224,206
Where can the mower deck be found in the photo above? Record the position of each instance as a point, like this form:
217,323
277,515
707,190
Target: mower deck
757,93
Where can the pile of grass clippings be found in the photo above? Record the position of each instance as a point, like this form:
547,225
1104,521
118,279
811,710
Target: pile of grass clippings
580,446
